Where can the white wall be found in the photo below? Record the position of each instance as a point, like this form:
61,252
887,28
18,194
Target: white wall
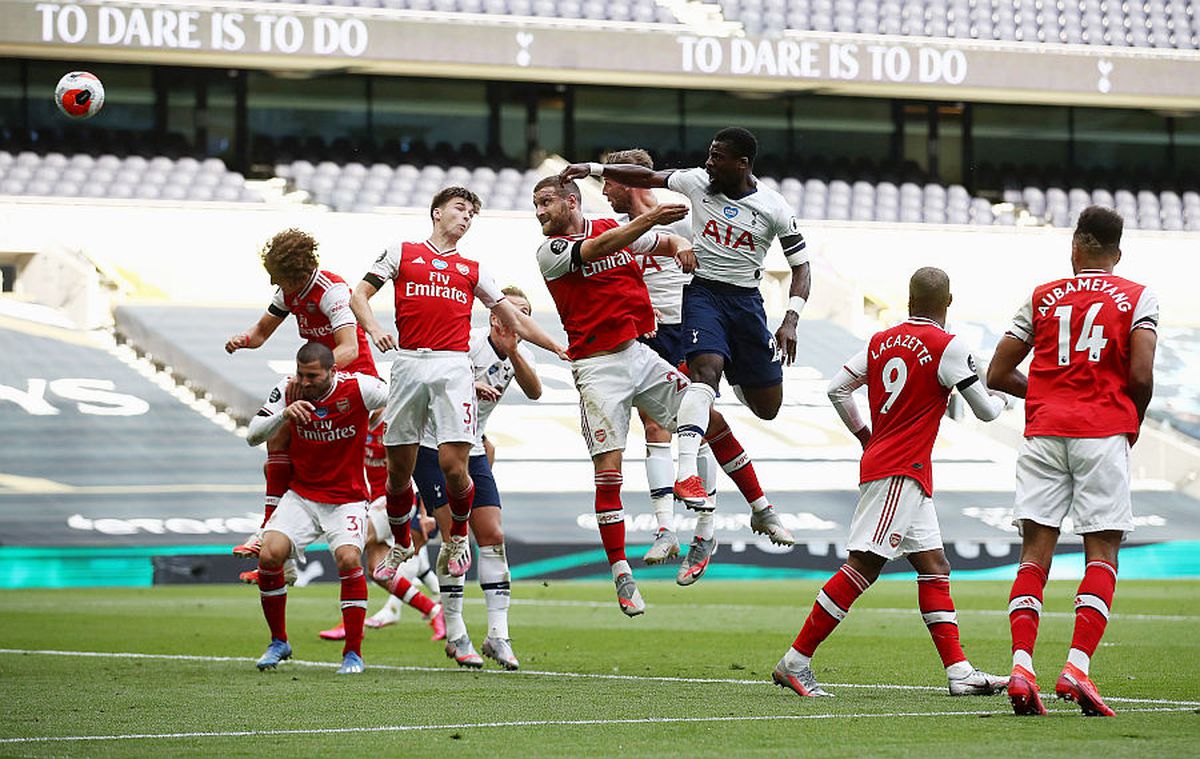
209,254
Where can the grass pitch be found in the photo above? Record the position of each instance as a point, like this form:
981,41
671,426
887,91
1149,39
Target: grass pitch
691,676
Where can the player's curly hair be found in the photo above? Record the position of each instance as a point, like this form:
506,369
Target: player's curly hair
1098,231
290,256
450,193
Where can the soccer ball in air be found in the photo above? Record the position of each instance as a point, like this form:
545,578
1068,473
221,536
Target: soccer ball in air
79,95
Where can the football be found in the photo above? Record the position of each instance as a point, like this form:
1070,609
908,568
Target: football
79,95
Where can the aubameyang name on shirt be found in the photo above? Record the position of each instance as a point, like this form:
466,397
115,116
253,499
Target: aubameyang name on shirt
1094,284
608,263
439,286
906,342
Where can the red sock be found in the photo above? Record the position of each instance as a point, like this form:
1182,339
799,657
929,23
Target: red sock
937,609
1025,606
354,608
832,606
272,591
460,510
1092,604
399,511
736,463
278,472
610,517
404,590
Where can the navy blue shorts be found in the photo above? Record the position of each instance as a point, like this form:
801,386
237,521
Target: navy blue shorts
432,483
730,321
668,343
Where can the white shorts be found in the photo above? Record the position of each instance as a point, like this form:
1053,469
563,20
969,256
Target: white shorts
430,387
303,521
378,518
612,384
1084,478
894,518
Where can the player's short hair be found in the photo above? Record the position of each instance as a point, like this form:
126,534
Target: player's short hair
564,189
635,156
1098,230
310,352
290,255
450,193
518,293
743,143
929,287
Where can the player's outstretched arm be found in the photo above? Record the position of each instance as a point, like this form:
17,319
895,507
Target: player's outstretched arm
269,418
1002,373
618,238
627,174
527,328
258,334
984,405
1142,345
841,391
360,304
679,248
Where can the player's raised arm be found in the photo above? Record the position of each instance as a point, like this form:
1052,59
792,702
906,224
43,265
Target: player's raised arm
523,370
627,174
511,318
258,334
623,236
849,378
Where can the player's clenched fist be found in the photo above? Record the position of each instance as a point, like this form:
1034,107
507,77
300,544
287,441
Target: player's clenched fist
238,341
384,341
686,258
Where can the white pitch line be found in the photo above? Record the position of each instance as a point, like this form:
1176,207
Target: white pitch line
519,723
525,672
857,610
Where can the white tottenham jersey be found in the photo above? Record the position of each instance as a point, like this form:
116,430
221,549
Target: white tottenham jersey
489,369
732,237
664,279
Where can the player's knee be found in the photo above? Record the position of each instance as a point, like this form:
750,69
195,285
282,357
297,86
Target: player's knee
270,557
347,559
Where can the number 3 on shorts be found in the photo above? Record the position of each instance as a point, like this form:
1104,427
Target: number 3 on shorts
352,521
469,416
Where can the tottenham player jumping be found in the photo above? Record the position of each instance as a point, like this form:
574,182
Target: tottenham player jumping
734,221
665,282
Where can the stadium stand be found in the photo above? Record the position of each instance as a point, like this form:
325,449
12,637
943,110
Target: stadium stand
1151,24
109,176
644,11
99,439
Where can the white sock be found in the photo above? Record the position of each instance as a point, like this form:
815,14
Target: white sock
704,525
621,568
959,670
692,422
1022,658
1079,659
452,604
796,660
494,579
660,474
707,467
425,573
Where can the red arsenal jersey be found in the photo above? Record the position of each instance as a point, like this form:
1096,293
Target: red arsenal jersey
434,291
376,461
322,307
602,303
1079,328
910,370
328,450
